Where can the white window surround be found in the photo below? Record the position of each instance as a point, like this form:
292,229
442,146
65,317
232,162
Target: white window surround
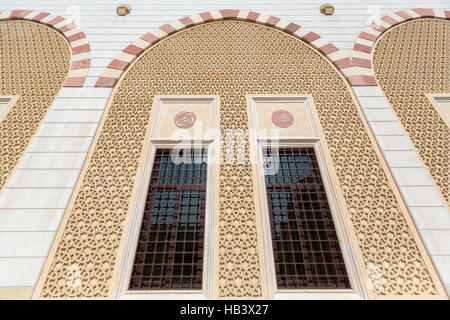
138,204
330,182
6,103
441,102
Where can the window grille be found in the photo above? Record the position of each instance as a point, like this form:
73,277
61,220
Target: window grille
305,244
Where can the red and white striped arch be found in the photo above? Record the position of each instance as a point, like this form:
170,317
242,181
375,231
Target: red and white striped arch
364,44
81,51
116,68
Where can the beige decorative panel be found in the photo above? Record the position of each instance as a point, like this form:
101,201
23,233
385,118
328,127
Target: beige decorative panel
34,62
442,105
231,59
301,122
411,61
169,125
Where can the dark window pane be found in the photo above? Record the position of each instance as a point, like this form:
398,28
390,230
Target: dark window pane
306,248
169,254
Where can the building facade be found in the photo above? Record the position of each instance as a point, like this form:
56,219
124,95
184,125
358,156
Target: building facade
274,150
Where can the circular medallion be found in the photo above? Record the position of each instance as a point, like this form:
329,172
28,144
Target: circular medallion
282,118
185,119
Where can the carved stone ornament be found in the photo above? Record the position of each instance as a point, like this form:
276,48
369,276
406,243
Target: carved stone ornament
232,67
282,118
185,119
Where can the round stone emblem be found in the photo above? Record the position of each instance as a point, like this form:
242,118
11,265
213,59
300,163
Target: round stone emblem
185,119
282,118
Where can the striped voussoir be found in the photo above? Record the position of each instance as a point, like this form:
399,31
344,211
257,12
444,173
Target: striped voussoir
118,66
81,51
362,49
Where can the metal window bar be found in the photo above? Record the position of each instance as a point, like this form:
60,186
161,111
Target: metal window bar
306,248
169,253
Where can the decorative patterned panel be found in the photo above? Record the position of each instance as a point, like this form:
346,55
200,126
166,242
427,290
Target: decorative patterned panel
411,61
231,59
34,62
365,42
169,254
80,48
305,244
117,66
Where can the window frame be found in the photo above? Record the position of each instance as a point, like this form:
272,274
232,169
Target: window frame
333,193
138,205
9,105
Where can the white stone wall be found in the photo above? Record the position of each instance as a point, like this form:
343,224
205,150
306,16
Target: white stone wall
34,201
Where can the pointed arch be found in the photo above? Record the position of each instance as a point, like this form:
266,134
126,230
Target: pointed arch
81,50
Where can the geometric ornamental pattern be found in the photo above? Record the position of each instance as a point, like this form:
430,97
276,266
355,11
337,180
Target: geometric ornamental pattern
34,62
115,69
305,245
231,59
411,61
